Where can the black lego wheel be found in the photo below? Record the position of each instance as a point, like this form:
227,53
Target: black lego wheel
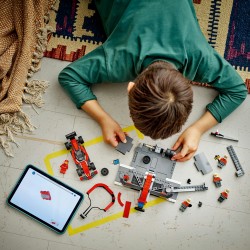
80,140
92,166
79,171
67,145
146,159
104,171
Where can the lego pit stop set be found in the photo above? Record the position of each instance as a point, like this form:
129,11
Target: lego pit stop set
150,173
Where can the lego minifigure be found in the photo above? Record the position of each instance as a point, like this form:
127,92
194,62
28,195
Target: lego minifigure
199,204
185,204
223,195
217,180
222,161
64,167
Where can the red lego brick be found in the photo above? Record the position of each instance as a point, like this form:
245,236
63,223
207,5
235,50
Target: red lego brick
126,209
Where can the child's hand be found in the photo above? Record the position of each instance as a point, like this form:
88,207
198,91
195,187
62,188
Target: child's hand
188,143
111,130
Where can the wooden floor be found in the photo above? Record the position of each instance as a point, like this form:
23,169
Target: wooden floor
162,226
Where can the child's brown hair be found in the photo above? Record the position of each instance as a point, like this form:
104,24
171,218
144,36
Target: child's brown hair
160,100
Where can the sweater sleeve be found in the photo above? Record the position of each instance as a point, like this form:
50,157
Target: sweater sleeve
78,77
225,79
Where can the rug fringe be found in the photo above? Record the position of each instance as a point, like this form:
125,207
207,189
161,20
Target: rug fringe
33,92
13,123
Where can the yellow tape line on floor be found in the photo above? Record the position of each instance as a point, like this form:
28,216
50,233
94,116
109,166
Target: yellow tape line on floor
71,230
94,141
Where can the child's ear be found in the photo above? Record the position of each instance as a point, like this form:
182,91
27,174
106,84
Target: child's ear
130,86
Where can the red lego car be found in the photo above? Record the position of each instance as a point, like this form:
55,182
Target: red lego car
84,167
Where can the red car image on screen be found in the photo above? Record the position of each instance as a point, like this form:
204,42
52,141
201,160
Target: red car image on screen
45,195
84,167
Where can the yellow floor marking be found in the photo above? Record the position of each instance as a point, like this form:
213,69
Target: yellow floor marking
71,230
94,141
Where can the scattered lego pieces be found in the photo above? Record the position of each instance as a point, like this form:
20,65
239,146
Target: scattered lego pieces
185,204
116,162
126,210
125,147
217,180
239,170
223,196
119,199
64,167
202,163
188,181
104,171
222,161
199,204
89,208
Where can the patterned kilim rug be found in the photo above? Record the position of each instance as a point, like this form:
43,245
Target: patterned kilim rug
225,23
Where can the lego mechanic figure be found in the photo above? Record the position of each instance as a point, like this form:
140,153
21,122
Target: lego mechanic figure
217,180
185,204
222,161
223,196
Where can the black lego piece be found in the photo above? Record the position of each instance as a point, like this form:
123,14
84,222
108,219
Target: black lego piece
104,171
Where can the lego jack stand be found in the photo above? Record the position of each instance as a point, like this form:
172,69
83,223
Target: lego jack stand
86,212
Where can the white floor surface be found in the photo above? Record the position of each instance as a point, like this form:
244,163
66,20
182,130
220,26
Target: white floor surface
162,226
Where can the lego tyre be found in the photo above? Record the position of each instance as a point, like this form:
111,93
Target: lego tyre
92,166
79,171
68,145
80,140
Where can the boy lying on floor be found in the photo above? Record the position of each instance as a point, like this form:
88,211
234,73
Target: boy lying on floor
158,47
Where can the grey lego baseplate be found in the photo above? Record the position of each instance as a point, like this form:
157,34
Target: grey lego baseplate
125,147
162,166
202,163
159,162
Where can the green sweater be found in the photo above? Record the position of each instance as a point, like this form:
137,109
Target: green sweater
141,32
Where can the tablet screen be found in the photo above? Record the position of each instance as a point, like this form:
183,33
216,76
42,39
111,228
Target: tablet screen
46,199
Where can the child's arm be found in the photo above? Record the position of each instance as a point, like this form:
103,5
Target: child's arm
232,92
110,128
190,138
77,79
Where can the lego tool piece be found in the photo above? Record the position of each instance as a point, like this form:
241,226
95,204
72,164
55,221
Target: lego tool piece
125,147
218,135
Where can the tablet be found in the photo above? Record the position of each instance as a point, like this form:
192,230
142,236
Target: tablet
45,199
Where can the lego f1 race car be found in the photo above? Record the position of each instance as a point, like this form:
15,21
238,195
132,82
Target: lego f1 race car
84,167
